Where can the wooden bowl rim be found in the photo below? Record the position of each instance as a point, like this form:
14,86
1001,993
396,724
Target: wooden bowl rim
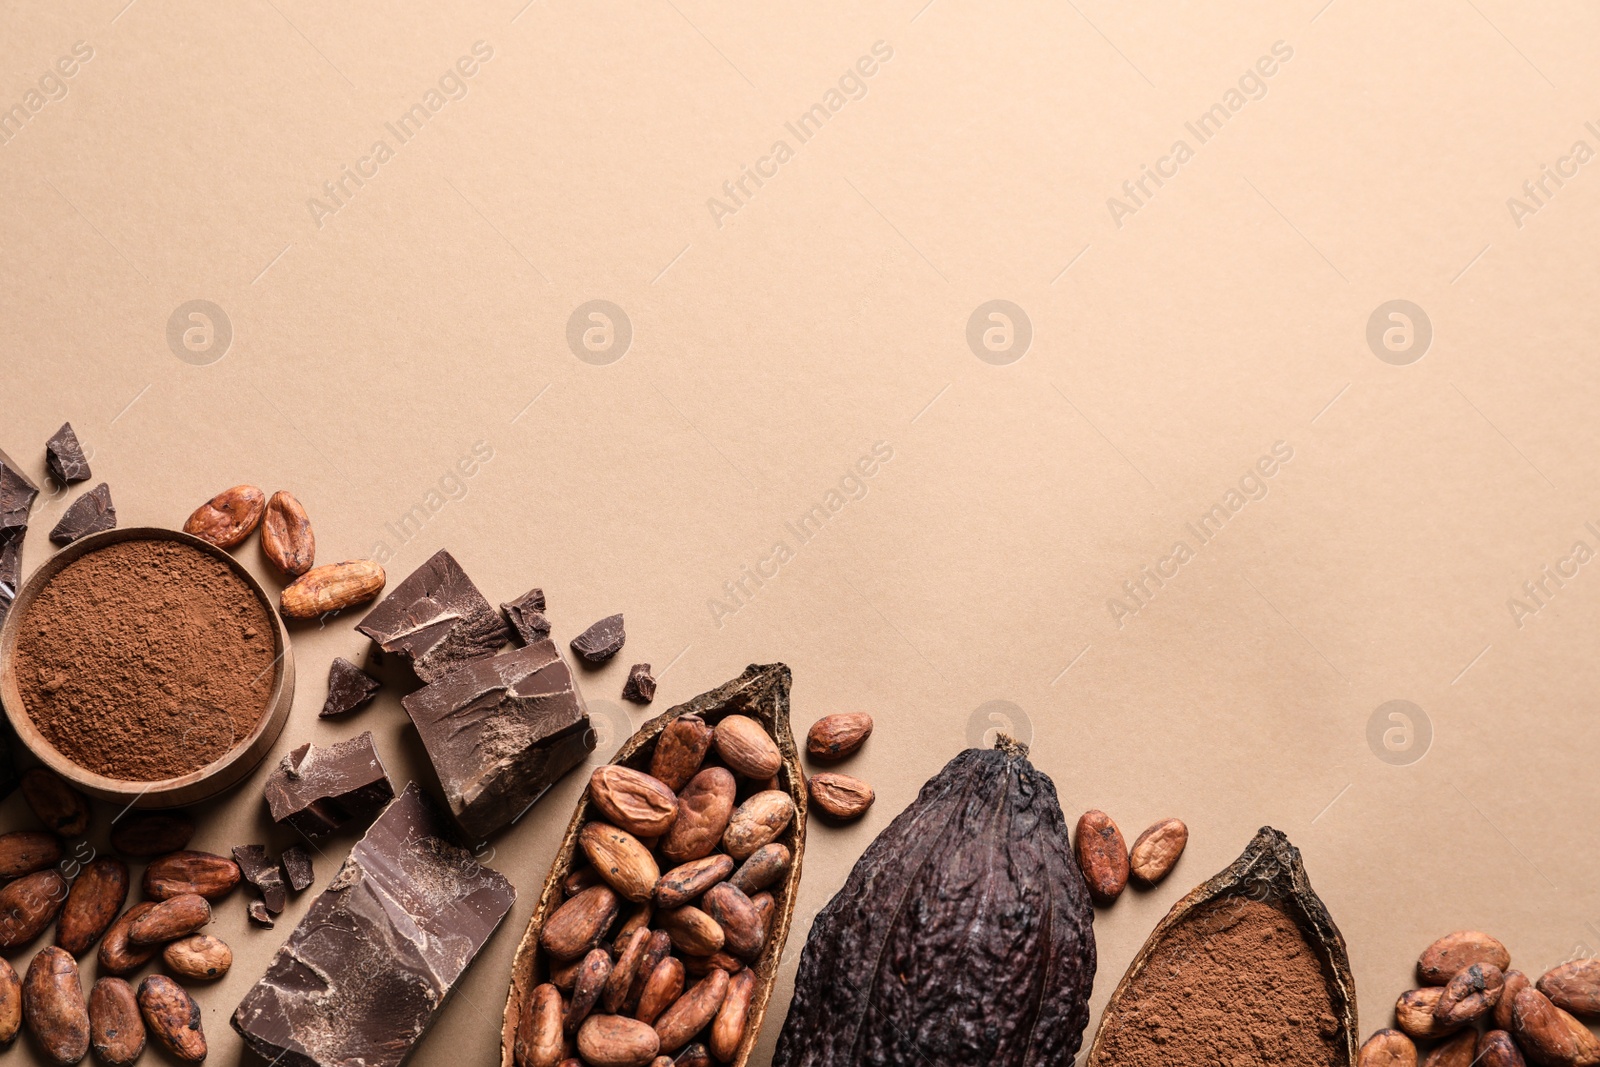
22,721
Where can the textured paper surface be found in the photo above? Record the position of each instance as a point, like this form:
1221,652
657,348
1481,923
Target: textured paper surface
824,320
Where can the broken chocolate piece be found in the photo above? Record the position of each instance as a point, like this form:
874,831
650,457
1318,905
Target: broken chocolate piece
526,616
10,569
318,790
380,951
90,513
641,684
500,731
601,641
297,865
436,619
16,496
262,873
64,456
349,688
259,914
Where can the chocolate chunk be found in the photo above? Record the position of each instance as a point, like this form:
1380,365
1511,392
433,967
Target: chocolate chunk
16,496
262,873
90,513
526,616
259,914
349,688
297,865
500,731
10,569
641,684
318,790
64,455
380,950
601,641
436,619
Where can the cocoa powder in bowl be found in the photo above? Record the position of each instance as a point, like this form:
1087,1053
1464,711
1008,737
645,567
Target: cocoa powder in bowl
145,660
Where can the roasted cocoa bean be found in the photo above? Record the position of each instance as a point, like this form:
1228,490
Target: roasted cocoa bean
54,1008
116,1030
92,904
680,750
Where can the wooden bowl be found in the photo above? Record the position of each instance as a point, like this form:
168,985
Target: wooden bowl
216,777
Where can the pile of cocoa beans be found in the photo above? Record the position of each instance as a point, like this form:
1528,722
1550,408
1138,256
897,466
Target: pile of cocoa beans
84,895
1108,863
1473,1008
690,851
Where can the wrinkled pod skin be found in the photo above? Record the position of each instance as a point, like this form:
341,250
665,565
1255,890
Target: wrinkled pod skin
962,937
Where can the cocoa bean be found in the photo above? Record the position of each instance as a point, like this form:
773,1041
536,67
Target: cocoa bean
117,954
834,737
229,517
116,1031
657,949
622,861
10,1003
1497,1049
54,1008
593,973
1413,1013
286,536
616,1041
200,957
685,882
1155,852
661,989
639,919
152,833
692,931
92,904
1457,1051
203,873
727,1029
680,751
59,806
638,803
746,747
704,808
578,880
28,905
622,975
25,851
1550,1036
695,1055
1102,856
840,795
1470,995
171,1014
692,1012
1516,982
332,587
171,919
761,869
1387,1048
580,923
742,926
757,822
1573,986
1453,953
539,1042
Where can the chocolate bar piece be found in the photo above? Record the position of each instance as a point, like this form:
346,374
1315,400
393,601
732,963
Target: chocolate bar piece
436,619
318,790
16,497
10,569
500,731
380,950
641,684
526,616
90,513
264,874
64,456
601,641
349,688
297,865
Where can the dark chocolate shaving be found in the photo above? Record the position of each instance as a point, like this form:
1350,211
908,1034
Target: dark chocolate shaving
64,456
500,731
349,688
90,513
526,616
318,790
641,684
297,865
601,641
380,951
436,620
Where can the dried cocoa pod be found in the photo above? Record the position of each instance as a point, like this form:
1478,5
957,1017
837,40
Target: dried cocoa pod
638,803
171,919
332,587
661,989
742,927
1453,953
286,536
1155,852
624,864
580,923
1265,888
746,747
203,873
117,954
539,1040
92,904
1102,855
199,957
25,851
58,805
984,836
756,822
728,1028
1550,1036
1496,1048
622,975
590,982
116,1030
762,868
10,1003
1457,1051
616,1041
658,948
1470,995
692,1012
151,833
1414,1013
171,1014
685,882
1573,986
704,807
1387,1048
833,737
229,517
54,1008
841,795
28,905
680,751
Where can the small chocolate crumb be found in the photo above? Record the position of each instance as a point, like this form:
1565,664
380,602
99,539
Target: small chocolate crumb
65,457
297,865
262,873
641,684
349,688
601,641
90,513
526,616
260,915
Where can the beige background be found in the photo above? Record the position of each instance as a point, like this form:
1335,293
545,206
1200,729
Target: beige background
1227,313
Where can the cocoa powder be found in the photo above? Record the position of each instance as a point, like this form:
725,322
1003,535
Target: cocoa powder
145,660
1237,984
